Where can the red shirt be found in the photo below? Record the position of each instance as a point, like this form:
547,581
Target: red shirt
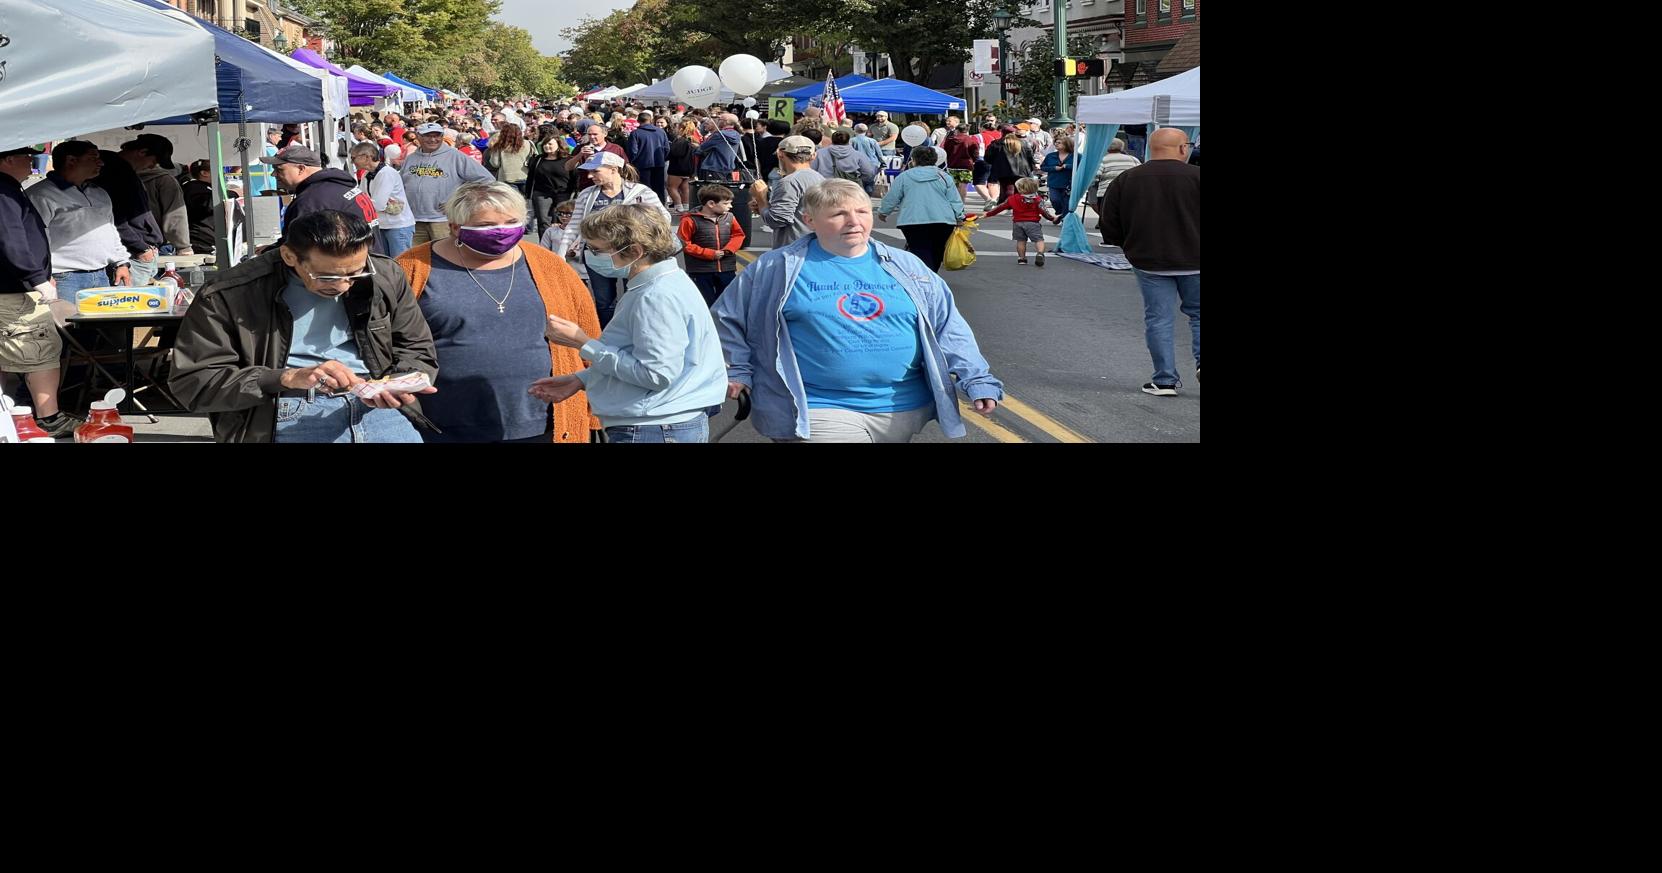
397,133
1022,207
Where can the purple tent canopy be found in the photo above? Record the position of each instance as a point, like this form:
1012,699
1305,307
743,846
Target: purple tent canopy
360,91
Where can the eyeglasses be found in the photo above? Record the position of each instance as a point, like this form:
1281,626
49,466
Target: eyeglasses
369,271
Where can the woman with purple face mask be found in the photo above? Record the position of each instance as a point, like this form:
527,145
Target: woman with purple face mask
487,296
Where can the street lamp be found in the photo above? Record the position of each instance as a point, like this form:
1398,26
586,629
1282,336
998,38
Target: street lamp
280,43
1001,23
1061,20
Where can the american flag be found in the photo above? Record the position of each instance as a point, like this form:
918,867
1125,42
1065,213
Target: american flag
833,101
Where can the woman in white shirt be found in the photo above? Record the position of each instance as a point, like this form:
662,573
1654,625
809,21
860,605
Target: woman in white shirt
386,189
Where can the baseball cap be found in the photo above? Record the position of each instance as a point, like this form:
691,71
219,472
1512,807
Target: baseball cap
25,150
155,144
1034,123
797,146
603,159
430,127
294,154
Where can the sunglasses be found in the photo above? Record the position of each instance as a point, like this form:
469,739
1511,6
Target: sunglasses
369,271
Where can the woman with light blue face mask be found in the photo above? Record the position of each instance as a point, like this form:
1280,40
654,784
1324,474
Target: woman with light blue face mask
487,296
657,368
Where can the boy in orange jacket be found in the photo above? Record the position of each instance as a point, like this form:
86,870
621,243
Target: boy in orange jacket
712,237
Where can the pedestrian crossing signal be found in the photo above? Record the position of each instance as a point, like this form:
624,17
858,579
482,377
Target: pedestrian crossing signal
1068,68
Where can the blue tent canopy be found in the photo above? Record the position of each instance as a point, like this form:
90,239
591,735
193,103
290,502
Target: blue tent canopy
808,92
431,94
249,76
897,95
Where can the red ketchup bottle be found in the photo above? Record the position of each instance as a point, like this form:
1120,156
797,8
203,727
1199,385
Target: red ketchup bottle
27,430
103,423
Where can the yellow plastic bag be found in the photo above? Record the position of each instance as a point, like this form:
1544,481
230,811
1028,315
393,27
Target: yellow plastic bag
960,253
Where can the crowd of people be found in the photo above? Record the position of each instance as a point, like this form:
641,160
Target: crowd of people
407,237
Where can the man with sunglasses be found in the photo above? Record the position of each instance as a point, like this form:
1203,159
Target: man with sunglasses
273,348
1153,213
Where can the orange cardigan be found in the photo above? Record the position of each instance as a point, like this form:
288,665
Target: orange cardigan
563,294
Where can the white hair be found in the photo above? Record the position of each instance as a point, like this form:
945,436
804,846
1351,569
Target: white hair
833,192
475,197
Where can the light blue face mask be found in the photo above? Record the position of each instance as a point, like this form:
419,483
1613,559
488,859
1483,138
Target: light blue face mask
602,264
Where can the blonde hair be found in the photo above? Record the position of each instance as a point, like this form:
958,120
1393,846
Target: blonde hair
620,227
1012,145
475,196
1027,185
833,192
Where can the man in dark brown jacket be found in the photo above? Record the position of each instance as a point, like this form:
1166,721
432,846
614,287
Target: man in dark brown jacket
272,350
1152,212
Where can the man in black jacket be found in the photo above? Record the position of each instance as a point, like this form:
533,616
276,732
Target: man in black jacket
273,349
300,170
1153,213
135,222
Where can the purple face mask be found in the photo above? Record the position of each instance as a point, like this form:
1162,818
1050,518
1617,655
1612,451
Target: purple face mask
492,240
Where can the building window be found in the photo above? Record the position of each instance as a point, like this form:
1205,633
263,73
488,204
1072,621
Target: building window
1188,10
1142,12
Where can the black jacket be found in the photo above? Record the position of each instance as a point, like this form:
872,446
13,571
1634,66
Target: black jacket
1153,213
234,343
1004,166
25,253
550,178
199,203
333,190
139,229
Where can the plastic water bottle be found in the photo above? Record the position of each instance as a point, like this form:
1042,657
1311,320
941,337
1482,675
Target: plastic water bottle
170,271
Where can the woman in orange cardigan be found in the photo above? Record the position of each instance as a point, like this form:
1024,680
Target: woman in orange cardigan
487,296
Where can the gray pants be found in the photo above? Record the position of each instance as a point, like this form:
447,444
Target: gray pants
844,426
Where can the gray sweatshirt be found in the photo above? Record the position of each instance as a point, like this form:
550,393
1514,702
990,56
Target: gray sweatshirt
784,212
845,162
430,179
167,203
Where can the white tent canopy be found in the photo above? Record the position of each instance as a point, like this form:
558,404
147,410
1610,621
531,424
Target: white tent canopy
1173,102
79,65
625,92
406,93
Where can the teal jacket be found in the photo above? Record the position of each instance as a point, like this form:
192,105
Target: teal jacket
924,195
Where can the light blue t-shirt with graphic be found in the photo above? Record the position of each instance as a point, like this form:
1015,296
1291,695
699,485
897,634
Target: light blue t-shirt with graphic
322,331
855,333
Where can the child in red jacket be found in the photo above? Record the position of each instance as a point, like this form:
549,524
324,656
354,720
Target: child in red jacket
1026,207
712,237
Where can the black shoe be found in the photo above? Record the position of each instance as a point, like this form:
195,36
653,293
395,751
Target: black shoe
1160,390
1021,260
1039,261
60,425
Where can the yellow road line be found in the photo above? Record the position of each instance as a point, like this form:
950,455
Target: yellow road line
997,431
1041,421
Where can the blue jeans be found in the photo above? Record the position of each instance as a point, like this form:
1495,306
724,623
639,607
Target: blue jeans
605,296
69,283
1160,296
340,420
695,431
1059,200
396,240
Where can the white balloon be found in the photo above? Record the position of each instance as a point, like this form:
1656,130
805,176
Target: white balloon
749,102
913,135
744,74
696,86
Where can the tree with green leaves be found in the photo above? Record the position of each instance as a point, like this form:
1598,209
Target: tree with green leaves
1036,77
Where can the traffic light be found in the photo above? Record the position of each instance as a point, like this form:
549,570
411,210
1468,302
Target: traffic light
1068,68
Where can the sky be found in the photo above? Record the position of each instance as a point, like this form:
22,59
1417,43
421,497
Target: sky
545,20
